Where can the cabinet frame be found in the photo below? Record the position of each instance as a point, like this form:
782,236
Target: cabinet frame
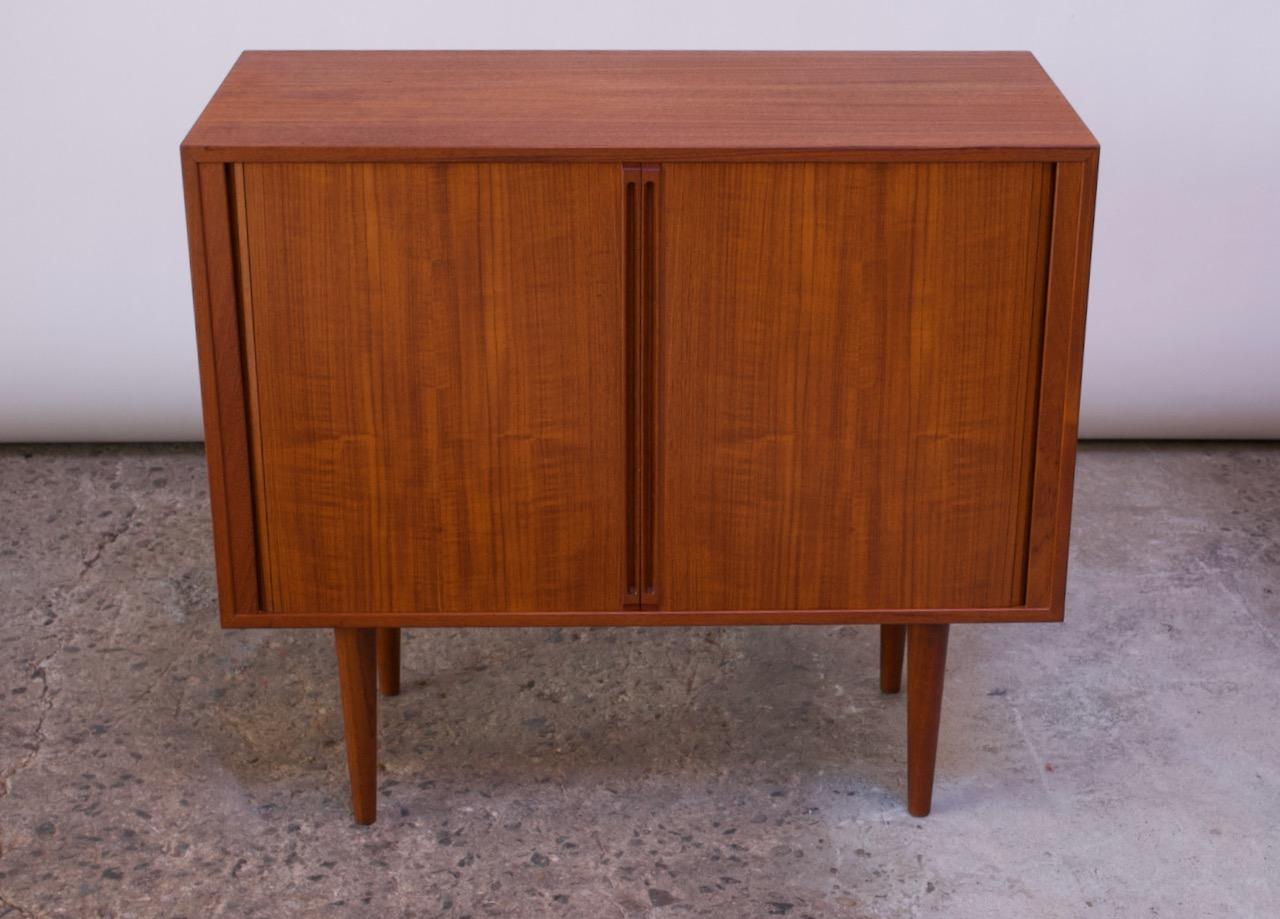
212,227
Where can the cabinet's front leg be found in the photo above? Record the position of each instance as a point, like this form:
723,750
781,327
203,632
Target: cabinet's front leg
357,676
893,642
926,661
389,662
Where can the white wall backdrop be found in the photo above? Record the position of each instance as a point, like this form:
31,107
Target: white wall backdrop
96,335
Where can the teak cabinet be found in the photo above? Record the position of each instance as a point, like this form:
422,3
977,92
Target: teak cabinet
632,338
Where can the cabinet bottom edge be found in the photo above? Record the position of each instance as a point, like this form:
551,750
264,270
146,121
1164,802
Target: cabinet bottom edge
631,618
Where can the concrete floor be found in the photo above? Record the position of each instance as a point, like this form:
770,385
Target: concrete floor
1125,763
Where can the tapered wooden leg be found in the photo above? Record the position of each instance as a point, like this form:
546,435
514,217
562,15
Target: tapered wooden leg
389,662
357,674
926,662
893,642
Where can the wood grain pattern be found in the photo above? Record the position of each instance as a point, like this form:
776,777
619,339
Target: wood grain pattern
1050,531
213,276
848,361
249,377
222,553
638,105
1073,356
357,674
439,375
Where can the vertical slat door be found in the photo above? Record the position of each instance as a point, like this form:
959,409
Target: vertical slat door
435,367
848,357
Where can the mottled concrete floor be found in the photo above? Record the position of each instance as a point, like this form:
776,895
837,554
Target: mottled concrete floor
1125,763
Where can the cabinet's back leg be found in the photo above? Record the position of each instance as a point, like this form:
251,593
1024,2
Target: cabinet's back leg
357,674
893,641
926,661
389,662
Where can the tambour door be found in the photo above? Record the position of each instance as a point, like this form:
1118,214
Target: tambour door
434,360
848,357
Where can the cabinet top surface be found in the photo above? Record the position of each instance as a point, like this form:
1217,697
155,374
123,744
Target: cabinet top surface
412,105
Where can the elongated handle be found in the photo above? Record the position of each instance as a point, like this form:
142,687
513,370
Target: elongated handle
649,381
640,189
631,284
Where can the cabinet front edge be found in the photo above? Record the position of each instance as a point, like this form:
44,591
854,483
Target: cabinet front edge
317,154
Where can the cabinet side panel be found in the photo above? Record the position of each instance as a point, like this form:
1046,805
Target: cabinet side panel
439,378
245,291
218,338
849,361
1076,185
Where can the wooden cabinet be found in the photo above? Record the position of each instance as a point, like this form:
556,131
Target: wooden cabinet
536,338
